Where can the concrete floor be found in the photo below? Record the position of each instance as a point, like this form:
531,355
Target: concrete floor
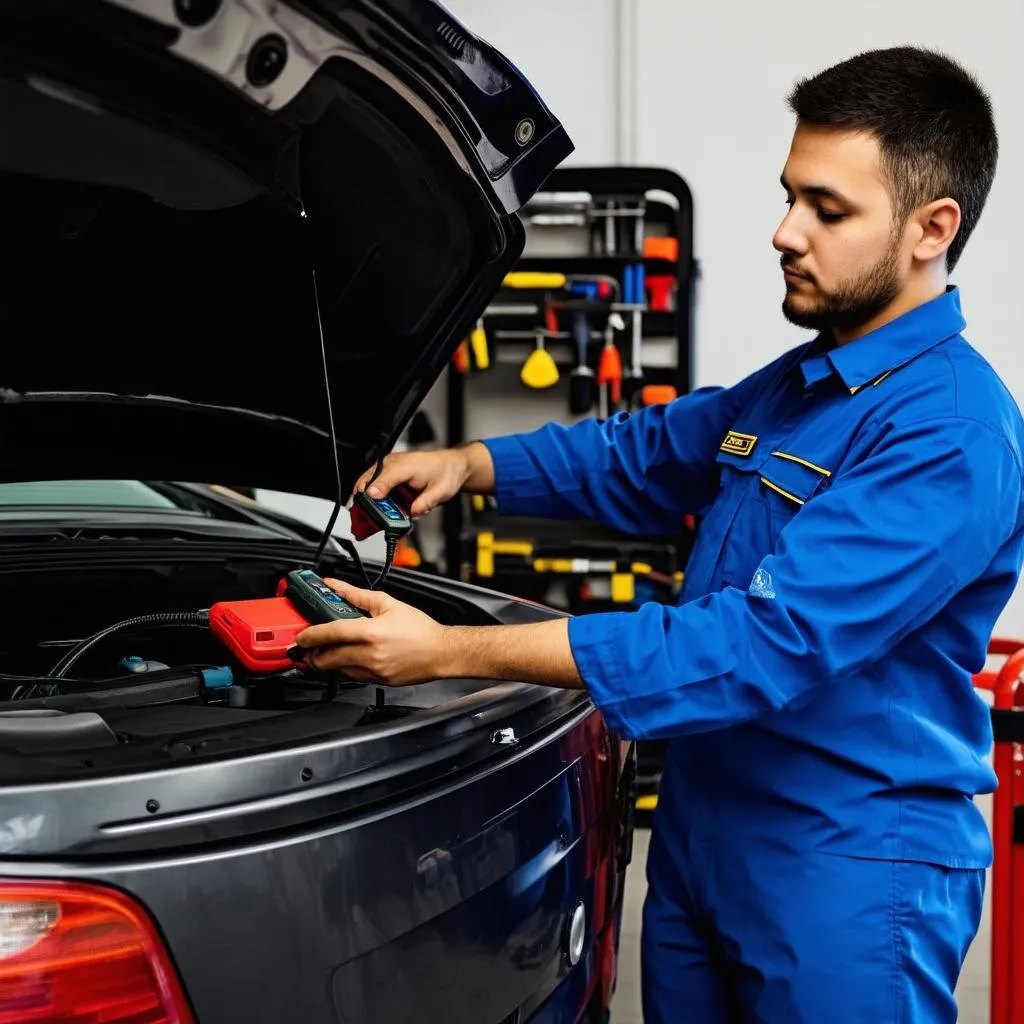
972,992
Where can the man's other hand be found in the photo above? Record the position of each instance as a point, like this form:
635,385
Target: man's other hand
436,477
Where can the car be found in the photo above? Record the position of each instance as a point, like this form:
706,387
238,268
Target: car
245,238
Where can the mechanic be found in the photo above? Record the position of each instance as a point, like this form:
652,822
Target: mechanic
816,854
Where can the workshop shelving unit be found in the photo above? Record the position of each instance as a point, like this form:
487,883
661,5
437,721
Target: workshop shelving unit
591,225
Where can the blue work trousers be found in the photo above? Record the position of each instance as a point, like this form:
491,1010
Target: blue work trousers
741,935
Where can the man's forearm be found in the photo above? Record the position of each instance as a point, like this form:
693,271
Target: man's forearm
481,468
534,653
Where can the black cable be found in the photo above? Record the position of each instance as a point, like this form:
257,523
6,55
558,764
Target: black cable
391,542
339,498
160,619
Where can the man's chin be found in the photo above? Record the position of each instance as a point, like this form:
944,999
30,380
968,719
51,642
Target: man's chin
812,319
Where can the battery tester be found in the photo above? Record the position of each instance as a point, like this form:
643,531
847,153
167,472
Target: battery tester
261,633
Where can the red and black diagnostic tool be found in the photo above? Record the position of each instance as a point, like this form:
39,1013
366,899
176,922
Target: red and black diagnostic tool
261,633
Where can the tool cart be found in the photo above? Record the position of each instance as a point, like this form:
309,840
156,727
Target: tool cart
595,319
1003,681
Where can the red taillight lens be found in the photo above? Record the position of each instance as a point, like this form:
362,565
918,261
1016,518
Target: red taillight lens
82,954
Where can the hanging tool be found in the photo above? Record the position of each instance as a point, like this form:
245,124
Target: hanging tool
661,287
582,383
517,309
609,229
662,248
658,394
460,358
595,287
478,343
539,371
609,369
534,279
639,228
550,317
633,290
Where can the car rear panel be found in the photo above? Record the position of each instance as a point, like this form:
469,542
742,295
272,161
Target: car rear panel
453,905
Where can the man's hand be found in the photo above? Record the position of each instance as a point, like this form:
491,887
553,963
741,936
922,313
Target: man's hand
399,645
437,476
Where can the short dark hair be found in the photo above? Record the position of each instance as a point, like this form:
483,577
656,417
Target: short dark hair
932,121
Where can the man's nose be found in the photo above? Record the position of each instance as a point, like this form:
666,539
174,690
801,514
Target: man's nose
788,236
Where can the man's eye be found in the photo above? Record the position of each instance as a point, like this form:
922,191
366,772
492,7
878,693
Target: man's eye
829,218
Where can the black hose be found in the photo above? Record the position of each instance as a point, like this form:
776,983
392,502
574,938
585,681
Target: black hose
161,619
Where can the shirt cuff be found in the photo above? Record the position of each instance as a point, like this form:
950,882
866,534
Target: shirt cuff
515,476
595,642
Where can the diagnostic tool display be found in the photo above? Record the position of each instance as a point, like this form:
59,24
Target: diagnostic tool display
371,515
315,600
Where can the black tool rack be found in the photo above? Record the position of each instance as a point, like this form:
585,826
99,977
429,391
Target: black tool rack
605,221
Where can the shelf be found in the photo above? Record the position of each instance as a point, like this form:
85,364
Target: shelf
593,265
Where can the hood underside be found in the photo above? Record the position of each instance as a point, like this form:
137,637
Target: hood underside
170,226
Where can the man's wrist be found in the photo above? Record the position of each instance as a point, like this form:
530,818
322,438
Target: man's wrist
478,470
449,663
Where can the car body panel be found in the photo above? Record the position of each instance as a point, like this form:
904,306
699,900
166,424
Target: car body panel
454,901
200,235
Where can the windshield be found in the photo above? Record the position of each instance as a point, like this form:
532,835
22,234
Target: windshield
48,498
84,493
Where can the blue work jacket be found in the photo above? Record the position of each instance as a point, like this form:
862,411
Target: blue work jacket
861,531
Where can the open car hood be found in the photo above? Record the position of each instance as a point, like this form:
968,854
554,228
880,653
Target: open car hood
181,179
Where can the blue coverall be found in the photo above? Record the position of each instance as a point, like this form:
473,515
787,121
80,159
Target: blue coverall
816,856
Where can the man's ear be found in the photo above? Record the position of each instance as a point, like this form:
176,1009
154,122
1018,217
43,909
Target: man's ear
936,224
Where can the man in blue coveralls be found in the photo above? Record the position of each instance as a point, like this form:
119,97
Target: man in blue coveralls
816,854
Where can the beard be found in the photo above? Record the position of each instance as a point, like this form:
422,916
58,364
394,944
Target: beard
853,302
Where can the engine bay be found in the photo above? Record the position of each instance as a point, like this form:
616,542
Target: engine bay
173,674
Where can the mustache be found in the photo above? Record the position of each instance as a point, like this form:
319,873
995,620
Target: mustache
787,263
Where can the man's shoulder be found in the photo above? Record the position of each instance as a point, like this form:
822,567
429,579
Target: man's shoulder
953,382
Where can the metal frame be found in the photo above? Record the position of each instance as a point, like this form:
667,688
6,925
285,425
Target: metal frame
1007,991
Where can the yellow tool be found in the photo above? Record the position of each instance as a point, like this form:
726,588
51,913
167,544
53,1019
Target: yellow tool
623,587
487,546
540,370
478,342
534,279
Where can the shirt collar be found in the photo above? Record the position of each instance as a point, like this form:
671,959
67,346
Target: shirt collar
888,347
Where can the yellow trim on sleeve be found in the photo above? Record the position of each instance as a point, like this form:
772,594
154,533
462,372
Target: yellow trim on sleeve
803,462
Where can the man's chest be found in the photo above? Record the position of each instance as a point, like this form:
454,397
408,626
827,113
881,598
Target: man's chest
776,458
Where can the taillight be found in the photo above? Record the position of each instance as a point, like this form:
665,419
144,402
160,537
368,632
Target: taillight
72,953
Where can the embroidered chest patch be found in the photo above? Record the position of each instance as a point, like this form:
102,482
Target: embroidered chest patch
739,444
